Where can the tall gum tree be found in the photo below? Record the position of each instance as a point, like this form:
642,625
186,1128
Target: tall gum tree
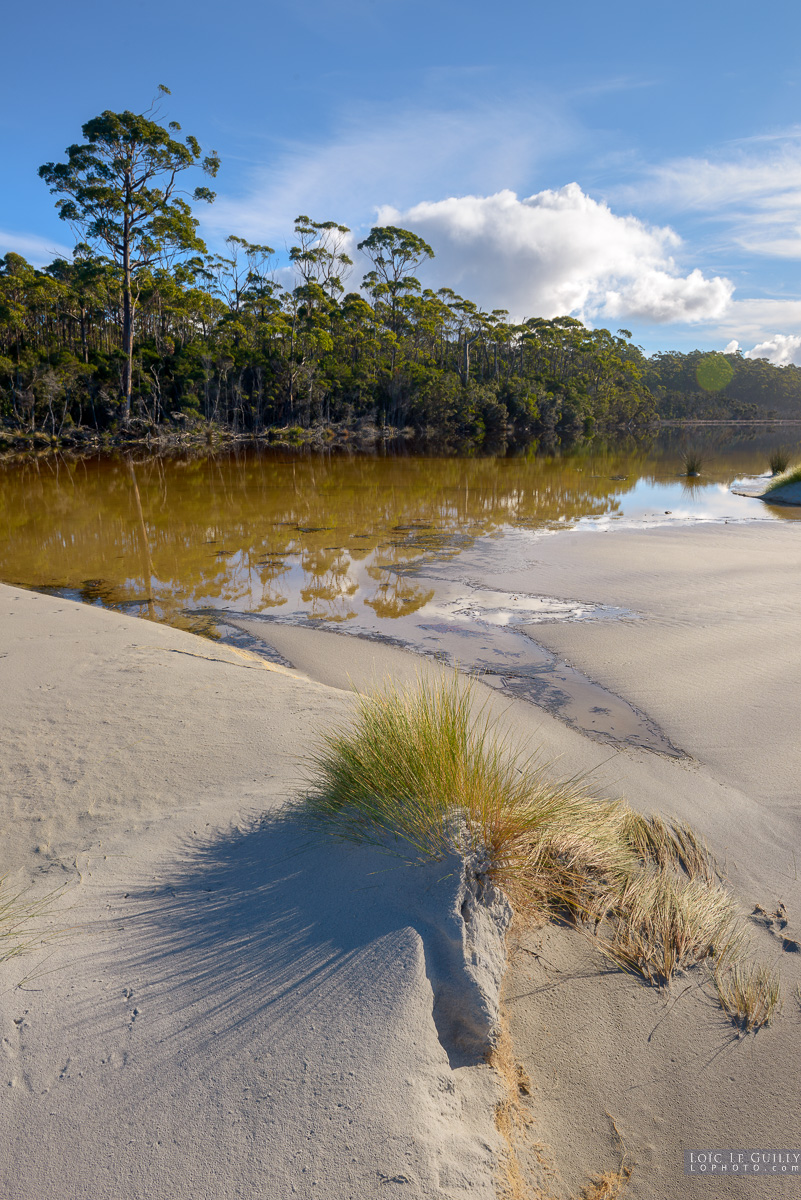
120,190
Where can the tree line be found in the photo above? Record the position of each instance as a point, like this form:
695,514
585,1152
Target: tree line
144,327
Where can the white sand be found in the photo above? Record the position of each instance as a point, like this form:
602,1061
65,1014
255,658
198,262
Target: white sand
223,1016
714,656
284,1036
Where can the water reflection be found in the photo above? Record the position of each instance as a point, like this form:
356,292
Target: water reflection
335,539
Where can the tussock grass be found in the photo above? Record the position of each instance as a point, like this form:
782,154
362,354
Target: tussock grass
664,924
750,993
693,462
670,844
423,771
780,481
779,460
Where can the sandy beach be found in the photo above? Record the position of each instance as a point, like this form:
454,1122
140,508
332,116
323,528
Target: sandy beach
224,1010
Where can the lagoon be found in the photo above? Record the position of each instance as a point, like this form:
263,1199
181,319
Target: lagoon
393,546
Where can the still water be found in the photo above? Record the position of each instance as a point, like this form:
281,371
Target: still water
366,545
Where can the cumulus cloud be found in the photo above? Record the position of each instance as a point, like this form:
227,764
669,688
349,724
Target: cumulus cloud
781,349
560,251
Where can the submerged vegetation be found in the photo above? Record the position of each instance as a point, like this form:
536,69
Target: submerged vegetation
143,330
421,772
693,463
779,460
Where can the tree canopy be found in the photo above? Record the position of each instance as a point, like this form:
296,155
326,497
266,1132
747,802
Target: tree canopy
143,325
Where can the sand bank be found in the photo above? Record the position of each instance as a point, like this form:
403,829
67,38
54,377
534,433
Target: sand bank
713,655
226,1012
247,1021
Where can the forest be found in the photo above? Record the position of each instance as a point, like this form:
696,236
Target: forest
145,330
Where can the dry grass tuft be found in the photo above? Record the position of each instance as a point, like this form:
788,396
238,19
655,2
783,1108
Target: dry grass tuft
664,924
670,844
749,993
423,772
17,912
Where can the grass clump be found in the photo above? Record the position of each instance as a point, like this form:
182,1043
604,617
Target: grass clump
749,993
779,460
693,462
793,475
664,924
424,772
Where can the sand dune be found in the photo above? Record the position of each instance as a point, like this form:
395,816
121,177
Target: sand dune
232,1012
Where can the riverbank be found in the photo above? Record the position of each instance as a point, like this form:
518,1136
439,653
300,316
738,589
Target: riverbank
187,433
224,1016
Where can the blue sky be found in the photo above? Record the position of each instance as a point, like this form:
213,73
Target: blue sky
637,165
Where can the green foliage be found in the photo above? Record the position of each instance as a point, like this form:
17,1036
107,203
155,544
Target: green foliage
793,475
144,325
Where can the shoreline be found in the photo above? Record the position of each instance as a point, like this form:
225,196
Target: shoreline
362,436
158,743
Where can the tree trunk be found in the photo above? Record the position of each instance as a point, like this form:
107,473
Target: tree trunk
127,326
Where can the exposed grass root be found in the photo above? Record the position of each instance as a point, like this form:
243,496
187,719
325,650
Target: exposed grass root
750,993
512,1118
608,1186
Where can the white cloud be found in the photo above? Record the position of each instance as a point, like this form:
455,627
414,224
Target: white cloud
557,252
781,349
751,321
382,157
37,250
756,191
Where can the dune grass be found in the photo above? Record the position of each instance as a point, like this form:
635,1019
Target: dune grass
793,475
424,771
17,912
779,460
749,993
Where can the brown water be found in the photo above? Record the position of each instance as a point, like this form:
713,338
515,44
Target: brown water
368,545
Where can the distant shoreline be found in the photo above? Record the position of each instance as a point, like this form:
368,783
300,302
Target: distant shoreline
319,436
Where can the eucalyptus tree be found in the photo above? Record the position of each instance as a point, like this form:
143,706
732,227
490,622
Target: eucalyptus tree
120,189
395,254
320,256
